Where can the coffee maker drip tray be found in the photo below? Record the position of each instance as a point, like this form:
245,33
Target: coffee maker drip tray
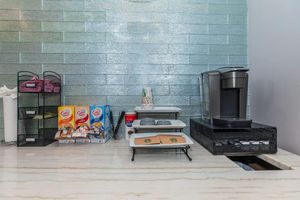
232,122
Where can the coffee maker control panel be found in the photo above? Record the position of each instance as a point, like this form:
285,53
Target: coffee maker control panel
243,145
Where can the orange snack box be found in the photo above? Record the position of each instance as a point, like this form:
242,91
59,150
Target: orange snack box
82,116
66,117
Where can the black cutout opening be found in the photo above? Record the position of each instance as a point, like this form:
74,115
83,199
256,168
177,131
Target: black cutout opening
252,163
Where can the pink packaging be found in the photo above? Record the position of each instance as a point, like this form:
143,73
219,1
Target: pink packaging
34,85
51,87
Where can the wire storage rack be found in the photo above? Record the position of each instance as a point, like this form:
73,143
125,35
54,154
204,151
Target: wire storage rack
38,102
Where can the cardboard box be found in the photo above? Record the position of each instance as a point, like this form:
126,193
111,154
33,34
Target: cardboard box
83,140
100,124
82,116
66,141
66,117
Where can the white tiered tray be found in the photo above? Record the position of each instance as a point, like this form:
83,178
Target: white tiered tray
175,124
139,109
134,136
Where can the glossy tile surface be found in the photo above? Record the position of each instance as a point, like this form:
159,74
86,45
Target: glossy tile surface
107,50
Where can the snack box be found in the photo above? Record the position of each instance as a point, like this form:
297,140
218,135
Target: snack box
82,116
66,141
66,117
83,140
97,116
100,124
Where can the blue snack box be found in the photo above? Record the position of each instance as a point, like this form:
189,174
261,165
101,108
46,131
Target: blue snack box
100,124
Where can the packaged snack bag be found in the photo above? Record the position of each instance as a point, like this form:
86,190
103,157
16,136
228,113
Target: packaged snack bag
82,116
66,118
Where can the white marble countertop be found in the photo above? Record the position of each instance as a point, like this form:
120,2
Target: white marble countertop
95,171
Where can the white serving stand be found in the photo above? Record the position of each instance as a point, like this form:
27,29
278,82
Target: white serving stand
158,110
175,125
184,147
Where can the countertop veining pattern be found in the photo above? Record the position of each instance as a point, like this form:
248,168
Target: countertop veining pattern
106,172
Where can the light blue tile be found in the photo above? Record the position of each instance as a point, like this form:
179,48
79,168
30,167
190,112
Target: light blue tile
85,58
9,15
184,90
14,47
23,5
145,27
217,1
228,29
20,26
183,80
238,19
14,68
9,36
187,69
9,58
41,37
8,80
168,59
228,50
149,38
171,100
151,59
124,100
189,7
71,90
85,100
196,100
194,59
106,69
106,90
146,79
105,27
115,79
188,49
63,5
147,69
188,29
208,39
63,48
237,2
65,68
39,15
84,16
84,37
41,58
227,9
238,39
112,16
240,60
156,89
126,6
188,18
63,26
87,79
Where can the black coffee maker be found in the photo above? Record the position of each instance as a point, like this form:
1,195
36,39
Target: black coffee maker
224,127
224,96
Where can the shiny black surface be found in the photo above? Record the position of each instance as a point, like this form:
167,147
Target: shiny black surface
255,139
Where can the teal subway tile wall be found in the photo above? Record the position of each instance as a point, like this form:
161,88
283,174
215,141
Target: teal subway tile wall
107,50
